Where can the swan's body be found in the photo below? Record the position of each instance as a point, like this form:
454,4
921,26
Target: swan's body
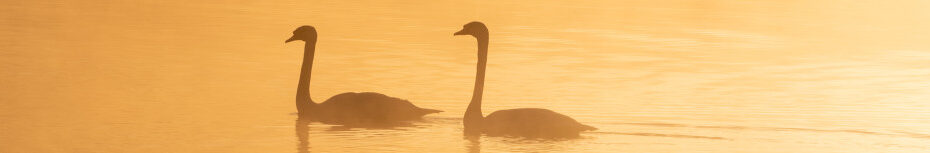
526,122
531,122
353,109
366,108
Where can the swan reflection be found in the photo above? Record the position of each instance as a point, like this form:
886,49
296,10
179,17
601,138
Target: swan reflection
302,128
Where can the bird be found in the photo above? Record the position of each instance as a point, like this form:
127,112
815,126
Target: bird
356,109
521,122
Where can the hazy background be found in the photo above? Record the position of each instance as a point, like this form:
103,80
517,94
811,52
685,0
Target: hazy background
671,76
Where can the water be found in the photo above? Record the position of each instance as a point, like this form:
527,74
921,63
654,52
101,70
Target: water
674,76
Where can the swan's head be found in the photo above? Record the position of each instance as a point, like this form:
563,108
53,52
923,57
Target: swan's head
473,28
305,33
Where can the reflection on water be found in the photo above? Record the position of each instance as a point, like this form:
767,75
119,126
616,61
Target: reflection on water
474,144
303,133
669,76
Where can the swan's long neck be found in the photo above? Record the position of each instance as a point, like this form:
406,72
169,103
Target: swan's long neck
303,86
473,115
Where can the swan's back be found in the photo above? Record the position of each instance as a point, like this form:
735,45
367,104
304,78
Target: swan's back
532,122
367,108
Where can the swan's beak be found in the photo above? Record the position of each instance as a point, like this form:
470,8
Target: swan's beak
461,32
294,37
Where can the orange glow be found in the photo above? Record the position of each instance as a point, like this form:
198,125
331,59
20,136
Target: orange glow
669,76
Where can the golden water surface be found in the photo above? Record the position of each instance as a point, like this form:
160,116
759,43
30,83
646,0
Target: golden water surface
654,76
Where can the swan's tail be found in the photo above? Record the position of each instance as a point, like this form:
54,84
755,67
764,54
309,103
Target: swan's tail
587,128
429,111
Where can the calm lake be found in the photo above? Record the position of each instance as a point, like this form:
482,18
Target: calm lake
671,76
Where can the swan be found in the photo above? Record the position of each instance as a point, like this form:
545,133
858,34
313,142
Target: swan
525,122
351,109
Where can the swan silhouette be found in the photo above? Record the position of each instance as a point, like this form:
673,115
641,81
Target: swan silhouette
364,109
525,122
